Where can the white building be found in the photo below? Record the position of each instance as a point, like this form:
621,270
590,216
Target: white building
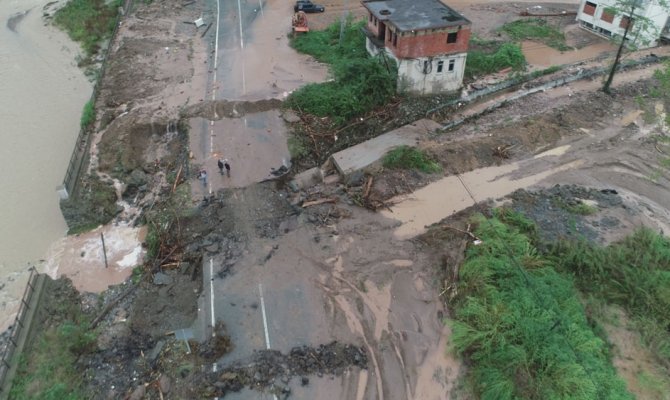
596,16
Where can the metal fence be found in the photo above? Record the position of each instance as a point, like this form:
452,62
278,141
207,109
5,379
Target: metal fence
81,147
18,332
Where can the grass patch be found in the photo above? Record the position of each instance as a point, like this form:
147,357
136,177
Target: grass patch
297,147
521,326
87,115
405,157
88,22
634,274
47,370
537,29
493,59
359,82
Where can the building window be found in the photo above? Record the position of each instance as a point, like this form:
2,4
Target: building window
625,21
607,16
426,67
395,39
370,18
451,37
590,8
452,65
440,66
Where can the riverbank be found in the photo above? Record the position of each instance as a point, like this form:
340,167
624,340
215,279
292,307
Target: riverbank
43,95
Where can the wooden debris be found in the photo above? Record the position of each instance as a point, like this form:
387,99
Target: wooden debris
319,201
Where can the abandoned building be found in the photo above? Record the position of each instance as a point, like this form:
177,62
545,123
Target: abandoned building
597,16
427,39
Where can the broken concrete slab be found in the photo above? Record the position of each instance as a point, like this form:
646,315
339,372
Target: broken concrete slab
364,155
308,178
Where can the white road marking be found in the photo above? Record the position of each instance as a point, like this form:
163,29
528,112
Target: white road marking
239,17
260,4
211,293
265,320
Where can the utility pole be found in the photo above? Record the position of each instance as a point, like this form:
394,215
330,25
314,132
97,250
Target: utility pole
343,20
608,83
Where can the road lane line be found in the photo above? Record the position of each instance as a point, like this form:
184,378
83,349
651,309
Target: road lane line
211,293
265,320
239,17
260,4
216,39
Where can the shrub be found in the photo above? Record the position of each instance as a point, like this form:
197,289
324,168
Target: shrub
405,157
88,21
87,115
536,28
521,326
508,55
360,82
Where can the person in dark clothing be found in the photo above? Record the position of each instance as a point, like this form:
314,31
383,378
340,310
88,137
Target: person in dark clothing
220,164
227,166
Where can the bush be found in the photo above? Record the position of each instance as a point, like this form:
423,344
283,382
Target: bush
360,82
405,157
87,115
88,21
536,29
521,326
508,55
634,274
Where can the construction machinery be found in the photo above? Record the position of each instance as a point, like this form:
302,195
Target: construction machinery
299,22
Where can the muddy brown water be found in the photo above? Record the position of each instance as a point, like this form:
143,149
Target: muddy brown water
43,93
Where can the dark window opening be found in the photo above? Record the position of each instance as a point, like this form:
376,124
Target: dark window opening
395,39
452,37
440,66
370,18
452,64
590,8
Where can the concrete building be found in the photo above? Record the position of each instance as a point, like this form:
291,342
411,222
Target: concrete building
596,16
427,39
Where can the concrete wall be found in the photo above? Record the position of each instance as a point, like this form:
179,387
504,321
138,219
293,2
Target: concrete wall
605,24
411,76
421,76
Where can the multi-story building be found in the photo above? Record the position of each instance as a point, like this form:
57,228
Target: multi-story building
427,39
598,16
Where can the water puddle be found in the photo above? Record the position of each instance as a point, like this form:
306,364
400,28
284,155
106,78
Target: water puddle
81,257
449,195
541,55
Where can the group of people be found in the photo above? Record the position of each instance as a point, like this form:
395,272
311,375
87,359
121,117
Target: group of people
222,164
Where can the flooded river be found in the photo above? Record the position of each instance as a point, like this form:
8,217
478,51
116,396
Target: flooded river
42,93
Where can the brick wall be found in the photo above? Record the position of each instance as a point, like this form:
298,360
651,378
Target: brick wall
425,45
371,25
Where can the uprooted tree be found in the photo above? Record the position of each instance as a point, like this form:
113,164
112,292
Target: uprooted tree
636,17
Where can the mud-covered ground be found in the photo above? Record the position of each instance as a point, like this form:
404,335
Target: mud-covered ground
354,311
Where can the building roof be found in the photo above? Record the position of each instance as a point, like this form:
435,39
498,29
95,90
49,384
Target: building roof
408,15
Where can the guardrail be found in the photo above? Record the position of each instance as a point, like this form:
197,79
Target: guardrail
20,330
81,147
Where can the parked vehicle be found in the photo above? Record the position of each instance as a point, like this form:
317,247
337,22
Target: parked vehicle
308,7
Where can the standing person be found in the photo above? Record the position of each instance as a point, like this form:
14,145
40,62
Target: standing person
203,177
220,164
227,166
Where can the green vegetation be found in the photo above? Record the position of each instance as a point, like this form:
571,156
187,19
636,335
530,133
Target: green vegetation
494,58
537,29
520,323
297,147
360,82
634,274
87,115
47,370
405,157
88,21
